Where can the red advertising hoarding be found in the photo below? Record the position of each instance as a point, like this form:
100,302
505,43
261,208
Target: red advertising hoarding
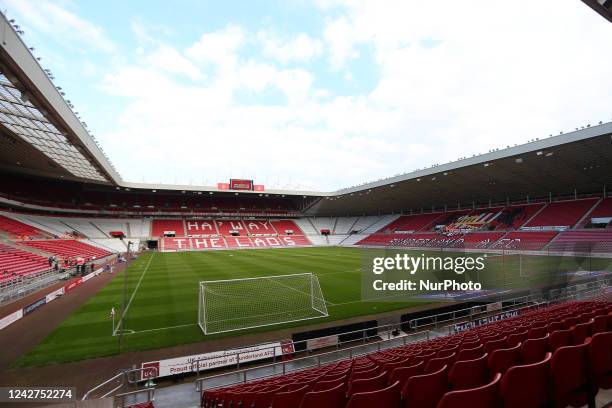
223,186
258,187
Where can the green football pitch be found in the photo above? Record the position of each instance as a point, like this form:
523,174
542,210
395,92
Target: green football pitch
162,296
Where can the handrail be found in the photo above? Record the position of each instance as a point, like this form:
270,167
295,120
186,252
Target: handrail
116,376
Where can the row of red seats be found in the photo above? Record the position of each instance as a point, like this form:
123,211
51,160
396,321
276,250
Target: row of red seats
206,227
68,248
583,241
562,354
16,228
562,213
15,263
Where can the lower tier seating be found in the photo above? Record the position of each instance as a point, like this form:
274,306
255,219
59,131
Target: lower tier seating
68,248
583,241
555,356
15,263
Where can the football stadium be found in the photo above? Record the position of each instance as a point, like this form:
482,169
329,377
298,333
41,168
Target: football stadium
478,280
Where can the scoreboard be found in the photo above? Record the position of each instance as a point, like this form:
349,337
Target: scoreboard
241,184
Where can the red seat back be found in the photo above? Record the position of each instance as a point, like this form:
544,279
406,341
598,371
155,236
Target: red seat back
402,374
559,338
600,353
526,386
368,384
537,332
502,359
425,391
580,332
600,324
492,345
437,363
332,398
516,338
469,373
289,399
486,396
534,350
471,353
326,385
387,397
568,370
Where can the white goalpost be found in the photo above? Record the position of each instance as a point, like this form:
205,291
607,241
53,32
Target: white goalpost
237,304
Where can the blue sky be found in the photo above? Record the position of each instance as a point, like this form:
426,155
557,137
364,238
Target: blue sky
318,94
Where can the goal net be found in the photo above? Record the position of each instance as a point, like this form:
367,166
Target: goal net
237,304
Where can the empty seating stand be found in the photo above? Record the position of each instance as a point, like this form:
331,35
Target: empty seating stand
15,263
598,240
562,214
483,367
16,229
160,227
68,248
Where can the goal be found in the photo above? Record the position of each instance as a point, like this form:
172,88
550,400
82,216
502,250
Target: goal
237,304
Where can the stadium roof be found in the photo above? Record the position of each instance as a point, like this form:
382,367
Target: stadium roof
40,133
568,165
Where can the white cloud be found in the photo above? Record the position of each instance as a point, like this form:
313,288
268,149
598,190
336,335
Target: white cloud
300,48
218,47
170,60
447,85
55,20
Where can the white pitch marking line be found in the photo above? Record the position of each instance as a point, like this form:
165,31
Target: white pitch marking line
133,293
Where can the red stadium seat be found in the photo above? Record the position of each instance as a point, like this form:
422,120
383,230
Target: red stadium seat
387,397
600,324
470,353
436,363
486,396
331,398
580,332
534,350
289,399
492,345
425,391
368,384
537,332
516,338
469,373
569,375
600,353
502,359
526,386
402,374
332,383
559,338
